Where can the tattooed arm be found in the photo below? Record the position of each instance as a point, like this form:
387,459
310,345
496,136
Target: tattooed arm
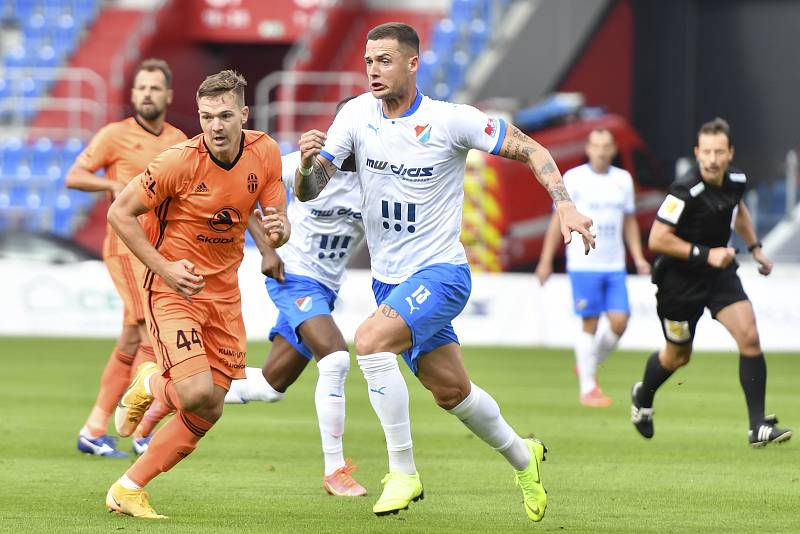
520,147
314,171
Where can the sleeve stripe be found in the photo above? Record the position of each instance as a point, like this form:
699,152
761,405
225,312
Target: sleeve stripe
500,137
327,155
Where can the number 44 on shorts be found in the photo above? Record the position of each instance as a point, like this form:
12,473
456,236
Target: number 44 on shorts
183,342
420,295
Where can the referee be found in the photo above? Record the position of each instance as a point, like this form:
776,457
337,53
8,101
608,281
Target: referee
696,269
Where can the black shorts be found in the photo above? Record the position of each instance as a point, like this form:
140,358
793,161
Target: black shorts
683,294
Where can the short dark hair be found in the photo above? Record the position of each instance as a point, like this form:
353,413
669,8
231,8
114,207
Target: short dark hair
403,33
714,127
601,130
226,81
153,64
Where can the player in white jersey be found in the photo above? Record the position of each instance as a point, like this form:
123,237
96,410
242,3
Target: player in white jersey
303,280
605,193
410,158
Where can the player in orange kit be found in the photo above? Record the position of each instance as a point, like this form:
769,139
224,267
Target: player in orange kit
202,192
123,149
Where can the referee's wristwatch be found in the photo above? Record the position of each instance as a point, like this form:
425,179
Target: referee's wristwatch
754,246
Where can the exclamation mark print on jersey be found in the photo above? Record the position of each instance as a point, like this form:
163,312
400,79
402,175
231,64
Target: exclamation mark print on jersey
385,213
412,217
398,216
345,244
334,242
323,244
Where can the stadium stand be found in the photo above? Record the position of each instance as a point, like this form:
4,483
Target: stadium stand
38,35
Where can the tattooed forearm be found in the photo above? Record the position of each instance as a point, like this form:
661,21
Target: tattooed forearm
309,187
517,145
558,192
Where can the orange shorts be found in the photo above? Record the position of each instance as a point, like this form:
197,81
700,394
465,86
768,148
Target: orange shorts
193,337
127,272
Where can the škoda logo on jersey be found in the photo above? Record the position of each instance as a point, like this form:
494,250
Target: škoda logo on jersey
252,183
224,219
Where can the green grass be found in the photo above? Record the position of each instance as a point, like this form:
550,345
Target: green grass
259,469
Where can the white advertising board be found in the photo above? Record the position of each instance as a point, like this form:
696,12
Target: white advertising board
504,309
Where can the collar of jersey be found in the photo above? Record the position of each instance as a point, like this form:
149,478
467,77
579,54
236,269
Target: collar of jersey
144,127
220,163
411,110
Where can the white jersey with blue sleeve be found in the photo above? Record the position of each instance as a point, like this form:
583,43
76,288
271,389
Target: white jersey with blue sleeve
607,199
326,230
411,171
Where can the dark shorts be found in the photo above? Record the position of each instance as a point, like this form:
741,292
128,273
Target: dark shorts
683,295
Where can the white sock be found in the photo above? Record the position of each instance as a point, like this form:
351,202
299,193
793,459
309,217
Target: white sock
586,360
329,398
147,385
86,433
388,395
605,341
252,388
128,484
480,413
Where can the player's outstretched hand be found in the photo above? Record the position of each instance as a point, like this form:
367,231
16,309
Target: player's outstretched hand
764,263
310,144
574,221
180,276
543,271
276,226
721,257
642,266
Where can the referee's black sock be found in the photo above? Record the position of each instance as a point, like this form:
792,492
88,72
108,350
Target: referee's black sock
753,377
654,376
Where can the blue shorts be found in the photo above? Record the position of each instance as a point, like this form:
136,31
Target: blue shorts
595,292
298,299
428,301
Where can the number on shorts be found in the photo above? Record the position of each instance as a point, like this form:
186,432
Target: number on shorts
183,342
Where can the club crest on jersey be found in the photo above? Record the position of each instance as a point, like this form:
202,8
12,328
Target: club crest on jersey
303,303
423,132
491,127
252,183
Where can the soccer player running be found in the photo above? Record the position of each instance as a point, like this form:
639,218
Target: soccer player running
605,193
123,149
696,269
202,191
410,158
303,280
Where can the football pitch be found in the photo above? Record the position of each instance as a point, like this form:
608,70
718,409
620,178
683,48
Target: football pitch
259,469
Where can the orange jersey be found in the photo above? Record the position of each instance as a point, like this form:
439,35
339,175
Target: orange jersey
202,205
123,149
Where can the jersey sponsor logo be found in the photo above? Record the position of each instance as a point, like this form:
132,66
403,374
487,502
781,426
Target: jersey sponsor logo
491,127
400,170
423,132
214,240
341,212
738,177
304,303
331,243
224,219
201,188
397,213
252,183
671,209
148,184
677,331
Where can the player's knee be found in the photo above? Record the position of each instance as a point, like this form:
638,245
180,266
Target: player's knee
194,397
337,362
368,340
618,325
449,397
749,341
676,356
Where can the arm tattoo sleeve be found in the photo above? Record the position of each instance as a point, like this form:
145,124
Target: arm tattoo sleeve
309,187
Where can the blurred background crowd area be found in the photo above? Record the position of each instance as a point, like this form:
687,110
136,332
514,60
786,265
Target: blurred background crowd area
651,72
